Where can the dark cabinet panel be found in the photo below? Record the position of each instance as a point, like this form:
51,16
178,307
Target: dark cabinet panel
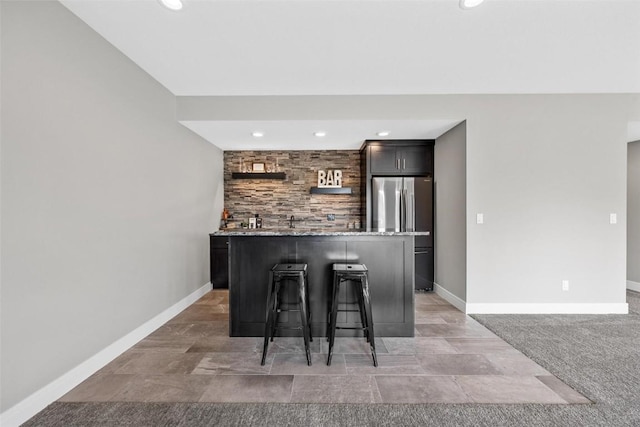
219,261
319,255
251,259
424,268
388,258
401,159
385,262
384,160
416,160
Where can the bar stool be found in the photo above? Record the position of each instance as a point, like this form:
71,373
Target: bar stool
358,275
278,275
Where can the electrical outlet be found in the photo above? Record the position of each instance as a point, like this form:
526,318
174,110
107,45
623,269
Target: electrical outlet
331,217
613,218
565,285
479,218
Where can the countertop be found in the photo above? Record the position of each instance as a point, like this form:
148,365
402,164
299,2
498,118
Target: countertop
312,232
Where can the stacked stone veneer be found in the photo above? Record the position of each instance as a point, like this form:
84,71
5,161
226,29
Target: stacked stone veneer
276,200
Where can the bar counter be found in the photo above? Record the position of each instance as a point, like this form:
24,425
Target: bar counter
312,232
387,255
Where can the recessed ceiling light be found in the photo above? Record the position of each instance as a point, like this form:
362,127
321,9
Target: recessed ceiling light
383,133
468,4
258,134
172,4
320,134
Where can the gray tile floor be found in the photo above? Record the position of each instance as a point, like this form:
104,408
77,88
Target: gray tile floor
452,359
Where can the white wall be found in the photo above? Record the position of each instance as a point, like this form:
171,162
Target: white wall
106,200
546,171
633,215
450,175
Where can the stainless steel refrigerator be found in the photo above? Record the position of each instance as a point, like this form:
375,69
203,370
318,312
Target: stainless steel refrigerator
406,204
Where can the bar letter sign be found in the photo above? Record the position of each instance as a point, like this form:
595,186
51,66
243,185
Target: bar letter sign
329,178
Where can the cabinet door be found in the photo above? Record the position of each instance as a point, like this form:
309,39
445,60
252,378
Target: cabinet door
424,269
251,260
320,254
220,268
384,160
415,160
219,262
385,260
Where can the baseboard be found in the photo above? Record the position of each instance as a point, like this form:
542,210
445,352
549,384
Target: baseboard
526,308
552,308
450,298
39,400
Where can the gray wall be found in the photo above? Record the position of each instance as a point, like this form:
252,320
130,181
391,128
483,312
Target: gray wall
546,171
633,212
450,178
106,199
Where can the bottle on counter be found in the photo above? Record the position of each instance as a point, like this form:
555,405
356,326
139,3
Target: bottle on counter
258,221
224,218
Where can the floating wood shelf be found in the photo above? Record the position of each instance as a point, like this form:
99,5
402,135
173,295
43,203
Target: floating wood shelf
325,190
258,175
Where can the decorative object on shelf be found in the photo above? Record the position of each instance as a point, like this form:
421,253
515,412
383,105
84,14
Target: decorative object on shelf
329,178
225,218
330,190
258,167
330,182
258,175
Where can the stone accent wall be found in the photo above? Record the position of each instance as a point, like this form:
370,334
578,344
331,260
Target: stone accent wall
276,200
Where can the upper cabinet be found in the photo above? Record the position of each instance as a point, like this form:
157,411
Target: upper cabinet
400,157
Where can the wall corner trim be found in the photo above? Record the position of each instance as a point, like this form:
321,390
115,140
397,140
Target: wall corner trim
633,286
39,400
548,308
450,298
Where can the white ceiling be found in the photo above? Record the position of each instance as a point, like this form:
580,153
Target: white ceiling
358,47
299,134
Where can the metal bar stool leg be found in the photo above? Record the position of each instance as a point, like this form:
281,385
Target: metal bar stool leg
331,303
302,300
363,313
369,319
306,286
276,304
334,316
269,317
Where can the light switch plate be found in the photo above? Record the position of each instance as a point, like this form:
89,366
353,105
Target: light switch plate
479,218
613,218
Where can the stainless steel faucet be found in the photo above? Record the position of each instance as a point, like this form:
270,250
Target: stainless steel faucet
291,224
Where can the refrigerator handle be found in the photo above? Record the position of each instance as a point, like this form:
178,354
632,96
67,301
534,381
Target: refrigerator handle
409,208
398,220
403,211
